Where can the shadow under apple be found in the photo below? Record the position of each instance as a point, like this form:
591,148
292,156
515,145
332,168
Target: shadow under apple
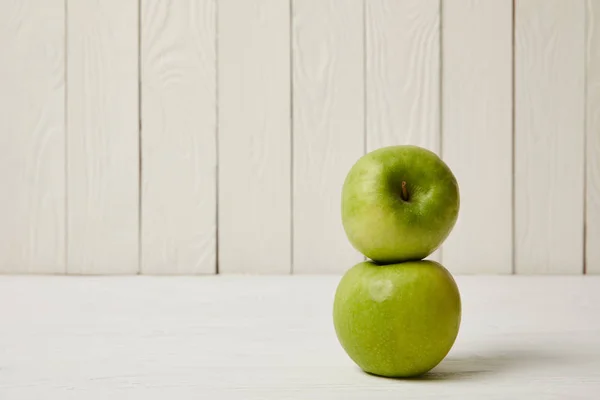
471,367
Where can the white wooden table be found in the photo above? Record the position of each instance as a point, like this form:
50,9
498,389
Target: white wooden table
272,338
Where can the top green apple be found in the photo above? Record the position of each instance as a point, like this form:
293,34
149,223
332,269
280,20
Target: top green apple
399,203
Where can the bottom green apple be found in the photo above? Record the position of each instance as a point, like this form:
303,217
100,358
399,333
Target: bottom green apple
397,320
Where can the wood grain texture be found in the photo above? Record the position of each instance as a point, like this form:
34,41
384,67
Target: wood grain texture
403,74
103,160
178,56
593,138
328,82
260,338
32,137
477,132
254,136
549,136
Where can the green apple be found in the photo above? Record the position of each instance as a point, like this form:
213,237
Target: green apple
397,320
399,203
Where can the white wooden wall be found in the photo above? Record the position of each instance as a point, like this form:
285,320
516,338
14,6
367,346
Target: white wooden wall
204,136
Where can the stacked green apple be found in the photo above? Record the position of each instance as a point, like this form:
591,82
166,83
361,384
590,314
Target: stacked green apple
398,315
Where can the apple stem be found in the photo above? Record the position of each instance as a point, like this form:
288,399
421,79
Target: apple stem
404,191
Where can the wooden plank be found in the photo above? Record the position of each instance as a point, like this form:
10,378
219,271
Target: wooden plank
549,135
254,136
403,74
32,137
328,82
593,138
477,132
178,60
103,163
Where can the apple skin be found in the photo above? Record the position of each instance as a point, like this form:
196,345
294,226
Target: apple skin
380,223
397,320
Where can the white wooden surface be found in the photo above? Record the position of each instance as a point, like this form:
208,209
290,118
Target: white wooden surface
403,73
593,137
329,135
402,77
178,105
252,111
32,137
272,337
102,137
549,133
254,117
477,131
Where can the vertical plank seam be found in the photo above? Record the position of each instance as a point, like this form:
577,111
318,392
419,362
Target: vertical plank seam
586,11
365,85
66,135
440,94
364,4
441,77
216,44
291,71
513,134
140,150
